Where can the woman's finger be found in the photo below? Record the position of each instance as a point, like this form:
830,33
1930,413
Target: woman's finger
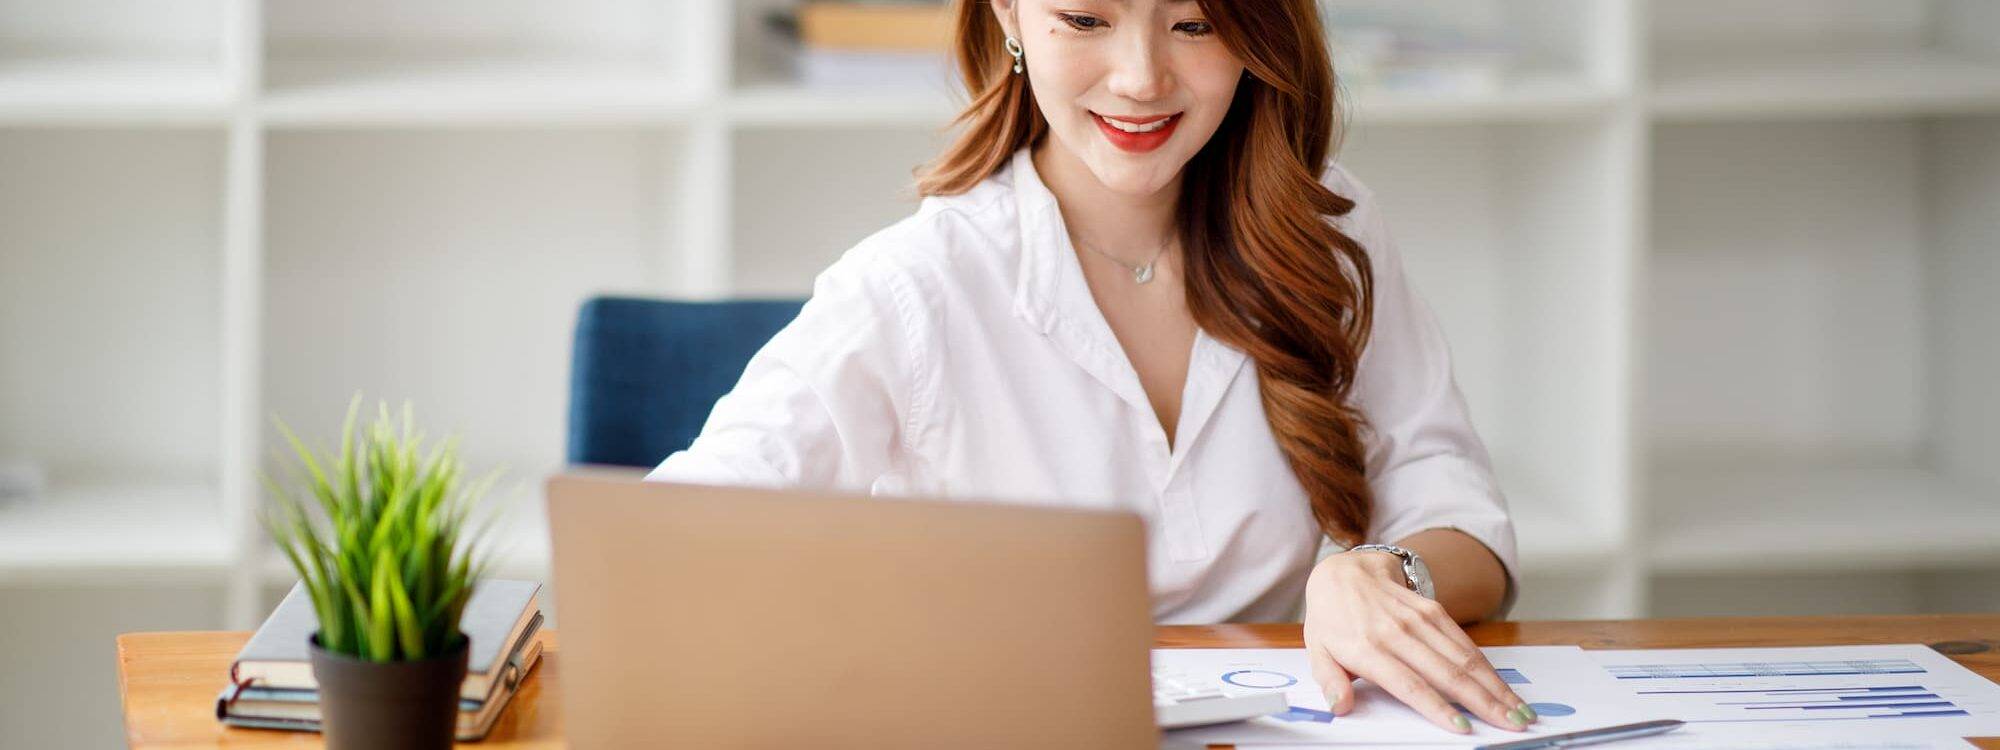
1334,682
1450,640
1452,676
1400,681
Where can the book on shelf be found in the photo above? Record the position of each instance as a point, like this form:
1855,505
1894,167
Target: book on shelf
1425,49
874,26
849,45
271,684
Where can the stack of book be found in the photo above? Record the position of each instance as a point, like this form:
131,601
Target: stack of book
847,43
1431,47
271,683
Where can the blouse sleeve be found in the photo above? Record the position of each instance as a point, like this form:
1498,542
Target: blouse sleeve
1427,466
827,403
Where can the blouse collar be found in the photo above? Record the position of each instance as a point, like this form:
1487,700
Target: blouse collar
1053,298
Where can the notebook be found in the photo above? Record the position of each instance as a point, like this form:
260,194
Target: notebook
496,619
298,710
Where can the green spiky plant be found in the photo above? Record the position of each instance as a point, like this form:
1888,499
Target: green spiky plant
388,558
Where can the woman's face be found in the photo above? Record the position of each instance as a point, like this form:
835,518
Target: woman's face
1102,69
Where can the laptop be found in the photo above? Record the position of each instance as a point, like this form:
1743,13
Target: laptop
697,616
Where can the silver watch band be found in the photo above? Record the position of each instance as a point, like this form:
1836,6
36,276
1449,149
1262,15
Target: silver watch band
1416,575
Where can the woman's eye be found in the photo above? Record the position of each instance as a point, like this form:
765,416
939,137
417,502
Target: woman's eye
1081,22
1194,28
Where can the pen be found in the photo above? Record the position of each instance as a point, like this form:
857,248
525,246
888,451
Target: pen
1590,736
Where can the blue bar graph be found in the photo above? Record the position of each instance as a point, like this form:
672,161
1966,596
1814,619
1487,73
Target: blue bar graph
1766,669
1823,704
1899,688
1853,707
1907,714
1826,703
1835,701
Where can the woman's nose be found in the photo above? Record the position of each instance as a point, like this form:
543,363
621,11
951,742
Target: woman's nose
1139,73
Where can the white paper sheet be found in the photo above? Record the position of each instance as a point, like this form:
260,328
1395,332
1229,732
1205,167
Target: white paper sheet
1700,737
1852,693
1901,697
1570,691
1675,741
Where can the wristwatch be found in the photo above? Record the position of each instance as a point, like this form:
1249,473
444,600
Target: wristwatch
1416,574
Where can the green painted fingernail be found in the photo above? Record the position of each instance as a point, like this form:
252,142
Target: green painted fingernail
1529,711
1463,724
1517,717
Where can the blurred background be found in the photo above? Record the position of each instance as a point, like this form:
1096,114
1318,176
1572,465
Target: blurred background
1716,272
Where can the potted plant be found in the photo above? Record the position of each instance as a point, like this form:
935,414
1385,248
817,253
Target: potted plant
385,553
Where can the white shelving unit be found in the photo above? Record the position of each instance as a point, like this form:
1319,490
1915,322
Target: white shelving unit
1760,230
1818,346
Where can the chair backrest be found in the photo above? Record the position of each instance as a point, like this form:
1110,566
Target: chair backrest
646,372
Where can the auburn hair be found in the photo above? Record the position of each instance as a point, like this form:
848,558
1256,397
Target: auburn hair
1267,272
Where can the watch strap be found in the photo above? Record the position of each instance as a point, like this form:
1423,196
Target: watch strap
1408,558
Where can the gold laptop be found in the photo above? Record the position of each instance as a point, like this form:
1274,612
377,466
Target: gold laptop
695,616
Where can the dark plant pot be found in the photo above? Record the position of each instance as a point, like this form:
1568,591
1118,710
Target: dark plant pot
388,705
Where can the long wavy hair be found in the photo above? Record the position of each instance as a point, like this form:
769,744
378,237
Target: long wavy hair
1267,271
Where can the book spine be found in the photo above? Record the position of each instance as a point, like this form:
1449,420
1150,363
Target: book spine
463,733
227,698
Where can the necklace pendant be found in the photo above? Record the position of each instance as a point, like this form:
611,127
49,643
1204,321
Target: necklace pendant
1143,273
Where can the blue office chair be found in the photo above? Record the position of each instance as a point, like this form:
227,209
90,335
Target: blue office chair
646,372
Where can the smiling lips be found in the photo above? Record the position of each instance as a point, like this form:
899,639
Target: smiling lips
1137,134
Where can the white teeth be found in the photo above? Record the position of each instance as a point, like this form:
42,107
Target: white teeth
1131,128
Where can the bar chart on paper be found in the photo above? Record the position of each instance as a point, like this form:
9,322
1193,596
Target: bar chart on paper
1889,689
1803,703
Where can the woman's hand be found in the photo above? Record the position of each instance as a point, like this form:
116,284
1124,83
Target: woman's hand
1362,621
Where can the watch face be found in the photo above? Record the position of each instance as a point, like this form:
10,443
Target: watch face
1420,577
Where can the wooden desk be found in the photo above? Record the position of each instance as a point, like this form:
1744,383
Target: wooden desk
169,680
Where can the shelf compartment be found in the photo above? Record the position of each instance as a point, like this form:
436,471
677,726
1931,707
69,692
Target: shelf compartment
447,268
1720,60
1825,83
109,530
378,62
1819,384
110,349
1783,313
1802,515
836,186
113,61
1475,50
1514,235
110,331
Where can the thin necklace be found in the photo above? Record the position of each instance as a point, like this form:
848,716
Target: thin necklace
1140,274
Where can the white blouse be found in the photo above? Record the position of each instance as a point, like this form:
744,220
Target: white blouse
959,353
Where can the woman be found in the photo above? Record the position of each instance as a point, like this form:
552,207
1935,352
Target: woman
1137,281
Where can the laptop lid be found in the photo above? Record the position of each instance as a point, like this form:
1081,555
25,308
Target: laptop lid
738,617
